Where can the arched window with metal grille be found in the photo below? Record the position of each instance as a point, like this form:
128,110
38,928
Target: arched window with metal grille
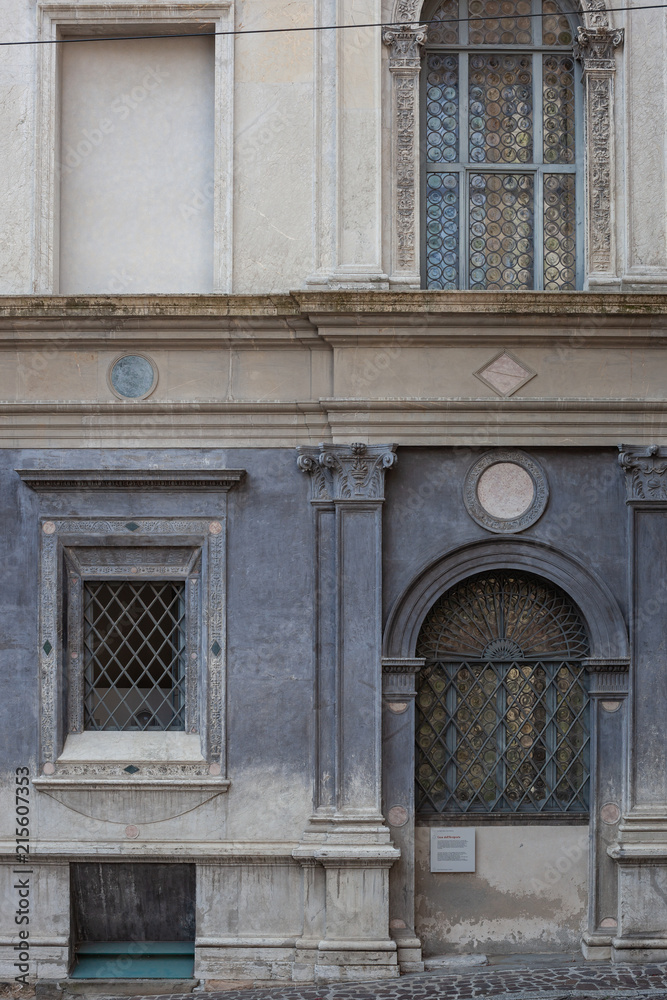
501,125
502,703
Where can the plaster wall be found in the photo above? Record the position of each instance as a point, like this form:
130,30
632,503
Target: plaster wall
136,166
528,894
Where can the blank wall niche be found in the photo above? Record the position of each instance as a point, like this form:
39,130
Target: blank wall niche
136,166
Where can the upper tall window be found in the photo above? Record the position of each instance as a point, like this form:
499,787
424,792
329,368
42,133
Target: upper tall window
501,107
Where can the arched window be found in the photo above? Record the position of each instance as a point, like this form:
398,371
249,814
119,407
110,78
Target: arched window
501,107
502,704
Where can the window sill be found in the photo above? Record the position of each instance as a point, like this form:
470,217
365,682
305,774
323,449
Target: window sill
132,748
155,760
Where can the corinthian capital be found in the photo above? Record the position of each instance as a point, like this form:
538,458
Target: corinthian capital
645,472
595,47
404,46
347,472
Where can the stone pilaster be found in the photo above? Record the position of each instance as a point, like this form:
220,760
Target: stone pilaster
346,834
398,800
641,846
595,49
608,689
404,64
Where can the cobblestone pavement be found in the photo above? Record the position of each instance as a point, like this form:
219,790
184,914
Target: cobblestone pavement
588,981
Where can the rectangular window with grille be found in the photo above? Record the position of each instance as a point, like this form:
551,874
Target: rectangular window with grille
134,636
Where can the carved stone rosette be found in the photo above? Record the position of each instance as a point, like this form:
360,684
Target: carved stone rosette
347,472
404,65
595,49
645,473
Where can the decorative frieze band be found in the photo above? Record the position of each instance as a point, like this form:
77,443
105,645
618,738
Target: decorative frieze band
645,473
595,49
347,472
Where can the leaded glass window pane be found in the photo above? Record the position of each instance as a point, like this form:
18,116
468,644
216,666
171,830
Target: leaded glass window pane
442,110
500,117
501,100
559,233
442,224
134,652
502,704
494,29
501,231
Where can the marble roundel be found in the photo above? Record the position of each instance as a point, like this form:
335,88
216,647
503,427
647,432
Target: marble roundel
505,491
133,376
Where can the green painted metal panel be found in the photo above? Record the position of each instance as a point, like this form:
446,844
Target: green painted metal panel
134,960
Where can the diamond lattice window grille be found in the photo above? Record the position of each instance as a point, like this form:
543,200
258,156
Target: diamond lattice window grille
134,650
502,704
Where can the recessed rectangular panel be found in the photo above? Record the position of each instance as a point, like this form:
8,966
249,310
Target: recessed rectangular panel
136,166
133,902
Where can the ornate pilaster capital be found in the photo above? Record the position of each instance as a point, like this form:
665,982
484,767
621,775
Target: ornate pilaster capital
308,460
399,676
357,470
595,48
404,47
607,678
347,472
645,473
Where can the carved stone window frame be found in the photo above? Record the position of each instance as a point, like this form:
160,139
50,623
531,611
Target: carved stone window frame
597,43
76,548
52,20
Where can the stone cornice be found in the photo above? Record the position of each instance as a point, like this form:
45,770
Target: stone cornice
137,480
190,309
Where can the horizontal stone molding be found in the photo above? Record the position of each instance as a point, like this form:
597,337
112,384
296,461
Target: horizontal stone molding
87,310
447,422
145,480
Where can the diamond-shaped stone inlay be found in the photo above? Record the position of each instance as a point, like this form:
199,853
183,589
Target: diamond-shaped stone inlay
131,526
216,649
47,647
505,374
131,769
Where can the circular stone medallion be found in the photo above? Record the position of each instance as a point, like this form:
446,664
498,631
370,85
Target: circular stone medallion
133,376
505,491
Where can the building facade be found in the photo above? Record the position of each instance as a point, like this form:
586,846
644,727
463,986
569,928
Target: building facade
333,485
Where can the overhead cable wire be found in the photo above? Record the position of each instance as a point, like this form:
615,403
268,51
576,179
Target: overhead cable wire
315,27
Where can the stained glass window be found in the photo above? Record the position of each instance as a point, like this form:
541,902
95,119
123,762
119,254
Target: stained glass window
501,106
502,703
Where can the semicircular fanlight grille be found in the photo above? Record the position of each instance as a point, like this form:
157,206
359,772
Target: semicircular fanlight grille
503,615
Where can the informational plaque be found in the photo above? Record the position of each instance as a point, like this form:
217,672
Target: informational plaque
453,850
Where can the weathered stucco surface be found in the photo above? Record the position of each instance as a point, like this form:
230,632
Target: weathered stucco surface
528,894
